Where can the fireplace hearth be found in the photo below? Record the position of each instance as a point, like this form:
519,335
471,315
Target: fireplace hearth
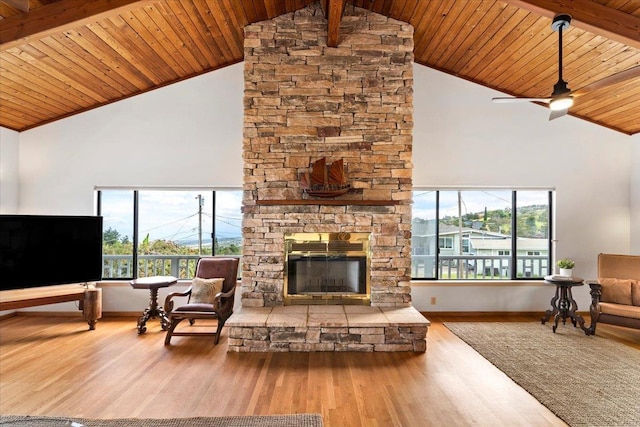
327,268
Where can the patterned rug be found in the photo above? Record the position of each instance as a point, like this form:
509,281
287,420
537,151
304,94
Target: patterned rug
584,380
294,420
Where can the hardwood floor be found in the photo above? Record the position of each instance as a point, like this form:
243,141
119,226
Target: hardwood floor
55,367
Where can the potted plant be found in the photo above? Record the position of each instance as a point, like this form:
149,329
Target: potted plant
566,265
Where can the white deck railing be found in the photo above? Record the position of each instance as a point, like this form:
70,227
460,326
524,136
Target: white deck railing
478,267
180,266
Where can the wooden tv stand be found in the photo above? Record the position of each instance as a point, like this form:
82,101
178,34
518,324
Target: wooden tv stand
90,299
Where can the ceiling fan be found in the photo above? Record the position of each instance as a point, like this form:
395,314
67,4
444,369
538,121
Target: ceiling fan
562,97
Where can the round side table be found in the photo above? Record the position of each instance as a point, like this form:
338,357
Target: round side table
563,305
153,283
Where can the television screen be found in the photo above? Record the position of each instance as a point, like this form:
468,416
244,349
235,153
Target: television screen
42,250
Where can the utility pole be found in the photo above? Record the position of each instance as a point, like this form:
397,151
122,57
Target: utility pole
200,204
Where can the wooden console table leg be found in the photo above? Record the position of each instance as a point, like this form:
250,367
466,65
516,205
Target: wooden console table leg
92,306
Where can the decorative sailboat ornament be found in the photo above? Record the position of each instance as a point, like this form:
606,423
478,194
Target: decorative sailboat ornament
325,181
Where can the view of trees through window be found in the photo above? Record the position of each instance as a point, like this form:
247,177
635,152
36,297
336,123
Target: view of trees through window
164,232
481,234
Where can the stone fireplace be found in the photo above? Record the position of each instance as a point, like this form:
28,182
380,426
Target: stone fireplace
352,104
305,101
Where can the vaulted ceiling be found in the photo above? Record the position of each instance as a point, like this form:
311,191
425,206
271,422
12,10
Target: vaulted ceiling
62,57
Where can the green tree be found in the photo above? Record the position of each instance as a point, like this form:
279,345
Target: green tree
110,236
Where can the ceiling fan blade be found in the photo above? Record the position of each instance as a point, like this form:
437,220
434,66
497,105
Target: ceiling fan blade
507,100
558,113
621,77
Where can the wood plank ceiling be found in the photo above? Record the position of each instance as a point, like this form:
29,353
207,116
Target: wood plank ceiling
63,57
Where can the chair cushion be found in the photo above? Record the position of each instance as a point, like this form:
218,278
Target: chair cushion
635,292
194,307
621,310
204,290
616,290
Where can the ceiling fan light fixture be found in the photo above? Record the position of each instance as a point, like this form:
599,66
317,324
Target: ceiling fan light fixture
561,103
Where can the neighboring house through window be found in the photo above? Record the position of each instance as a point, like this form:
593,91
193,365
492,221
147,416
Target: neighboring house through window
481,234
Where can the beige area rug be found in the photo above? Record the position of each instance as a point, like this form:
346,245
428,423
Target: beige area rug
584,380
294,420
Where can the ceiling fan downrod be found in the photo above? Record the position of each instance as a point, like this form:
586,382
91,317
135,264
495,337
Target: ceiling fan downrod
561,98
560,22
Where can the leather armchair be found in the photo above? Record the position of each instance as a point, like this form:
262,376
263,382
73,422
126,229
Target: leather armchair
222,306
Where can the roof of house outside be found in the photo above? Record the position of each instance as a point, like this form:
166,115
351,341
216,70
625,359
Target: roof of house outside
472,232
500,244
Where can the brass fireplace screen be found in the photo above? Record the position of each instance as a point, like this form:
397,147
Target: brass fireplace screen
327,268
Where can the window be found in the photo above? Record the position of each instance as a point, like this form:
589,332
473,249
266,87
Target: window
164,232
481,234
465,244
445,243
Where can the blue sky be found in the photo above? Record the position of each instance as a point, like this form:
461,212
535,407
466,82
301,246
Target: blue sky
173,215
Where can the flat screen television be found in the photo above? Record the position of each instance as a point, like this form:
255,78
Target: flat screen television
43,250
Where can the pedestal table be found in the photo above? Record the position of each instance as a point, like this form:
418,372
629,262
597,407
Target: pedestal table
153,283
563,305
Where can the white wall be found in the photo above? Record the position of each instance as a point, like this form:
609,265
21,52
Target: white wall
8,171
190,134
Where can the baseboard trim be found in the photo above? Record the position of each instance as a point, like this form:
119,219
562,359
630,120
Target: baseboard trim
48,313
121,313
490,313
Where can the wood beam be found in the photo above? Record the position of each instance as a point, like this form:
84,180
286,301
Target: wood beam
333,10
22,5
589,16
56,17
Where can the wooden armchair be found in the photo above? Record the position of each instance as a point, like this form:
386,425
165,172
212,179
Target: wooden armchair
219,306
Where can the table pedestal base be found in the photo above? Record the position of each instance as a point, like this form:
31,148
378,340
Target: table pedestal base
153,283
153,312
563,306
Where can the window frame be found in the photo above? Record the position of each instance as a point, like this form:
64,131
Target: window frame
135,215
447,242
513,276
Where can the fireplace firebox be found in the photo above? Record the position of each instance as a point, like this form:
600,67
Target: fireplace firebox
327,268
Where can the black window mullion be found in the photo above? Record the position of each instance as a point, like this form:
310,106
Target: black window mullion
99,213
437,231
213,223
549,234
135,234
514,246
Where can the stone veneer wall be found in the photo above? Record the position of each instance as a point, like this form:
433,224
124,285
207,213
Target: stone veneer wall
303,101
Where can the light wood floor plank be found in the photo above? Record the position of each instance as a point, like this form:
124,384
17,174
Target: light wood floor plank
55,367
